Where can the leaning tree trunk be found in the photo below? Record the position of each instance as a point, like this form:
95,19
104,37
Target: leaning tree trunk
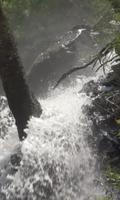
20,100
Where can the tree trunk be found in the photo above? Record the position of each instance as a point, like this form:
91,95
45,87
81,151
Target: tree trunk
20,100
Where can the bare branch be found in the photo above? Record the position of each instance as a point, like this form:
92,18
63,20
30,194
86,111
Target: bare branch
100,57
73,70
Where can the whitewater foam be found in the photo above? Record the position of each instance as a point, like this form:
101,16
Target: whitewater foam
57,160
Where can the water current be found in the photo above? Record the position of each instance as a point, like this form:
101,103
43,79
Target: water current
58,163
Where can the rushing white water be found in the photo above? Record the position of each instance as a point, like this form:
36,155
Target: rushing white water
57,161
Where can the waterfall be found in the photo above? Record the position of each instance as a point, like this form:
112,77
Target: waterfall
58,162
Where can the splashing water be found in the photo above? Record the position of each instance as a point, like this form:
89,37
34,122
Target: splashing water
57,161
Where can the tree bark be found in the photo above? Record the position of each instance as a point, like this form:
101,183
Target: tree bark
20,100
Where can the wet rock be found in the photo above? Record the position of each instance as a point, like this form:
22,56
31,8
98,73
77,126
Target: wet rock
103,112
15,159
110,80
105,145
43,190
91,88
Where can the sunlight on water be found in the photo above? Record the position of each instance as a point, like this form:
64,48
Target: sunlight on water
57,162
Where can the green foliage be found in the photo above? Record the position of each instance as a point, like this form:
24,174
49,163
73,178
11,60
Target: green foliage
118,133
26,7
19,11
118,121
116,43
113,176
22,13
101,5
115,4
103,198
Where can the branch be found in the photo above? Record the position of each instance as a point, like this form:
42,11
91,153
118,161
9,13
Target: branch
73,70
102,54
